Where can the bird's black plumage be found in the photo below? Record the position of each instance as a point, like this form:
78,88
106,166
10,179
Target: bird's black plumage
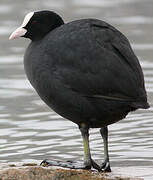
85,70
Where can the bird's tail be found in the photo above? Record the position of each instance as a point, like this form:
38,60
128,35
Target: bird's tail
141,105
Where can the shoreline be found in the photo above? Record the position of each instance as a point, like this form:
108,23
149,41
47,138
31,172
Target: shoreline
32,171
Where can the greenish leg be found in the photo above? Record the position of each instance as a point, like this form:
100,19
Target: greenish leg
88,161
87,155
106,164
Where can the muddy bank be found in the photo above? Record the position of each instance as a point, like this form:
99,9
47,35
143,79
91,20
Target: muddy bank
35,172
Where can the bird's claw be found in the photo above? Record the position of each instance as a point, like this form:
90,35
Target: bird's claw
105,167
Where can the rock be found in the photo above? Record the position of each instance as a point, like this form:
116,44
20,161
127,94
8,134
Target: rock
35,172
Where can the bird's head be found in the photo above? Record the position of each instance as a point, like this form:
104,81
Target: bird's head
37,24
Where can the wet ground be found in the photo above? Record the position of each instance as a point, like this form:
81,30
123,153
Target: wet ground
31,132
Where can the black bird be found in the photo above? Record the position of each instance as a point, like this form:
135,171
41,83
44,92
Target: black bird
86,71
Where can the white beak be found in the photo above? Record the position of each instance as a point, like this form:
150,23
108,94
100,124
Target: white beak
18,33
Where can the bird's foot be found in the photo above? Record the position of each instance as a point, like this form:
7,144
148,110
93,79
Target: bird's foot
105,167
96,166
66,164
70,164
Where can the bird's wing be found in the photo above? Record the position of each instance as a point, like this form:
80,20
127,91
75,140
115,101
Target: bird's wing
102,65
115,41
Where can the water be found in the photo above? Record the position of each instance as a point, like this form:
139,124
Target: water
31,132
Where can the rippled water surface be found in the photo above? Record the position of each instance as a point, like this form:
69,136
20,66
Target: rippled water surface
30,131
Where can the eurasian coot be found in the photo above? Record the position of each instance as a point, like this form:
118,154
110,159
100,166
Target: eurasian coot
85,70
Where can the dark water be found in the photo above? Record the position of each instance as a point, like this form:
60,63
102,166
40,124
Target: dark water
31,132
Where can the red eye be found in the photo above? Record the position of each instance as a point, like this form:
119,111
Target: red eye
34,22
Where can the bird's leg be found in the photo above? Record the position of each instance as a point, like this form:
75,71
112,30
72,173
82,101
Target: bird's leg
106,164
87,155
88,162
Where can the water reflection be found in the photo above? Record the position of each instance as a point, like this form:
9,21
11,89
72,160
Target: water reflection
30,131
